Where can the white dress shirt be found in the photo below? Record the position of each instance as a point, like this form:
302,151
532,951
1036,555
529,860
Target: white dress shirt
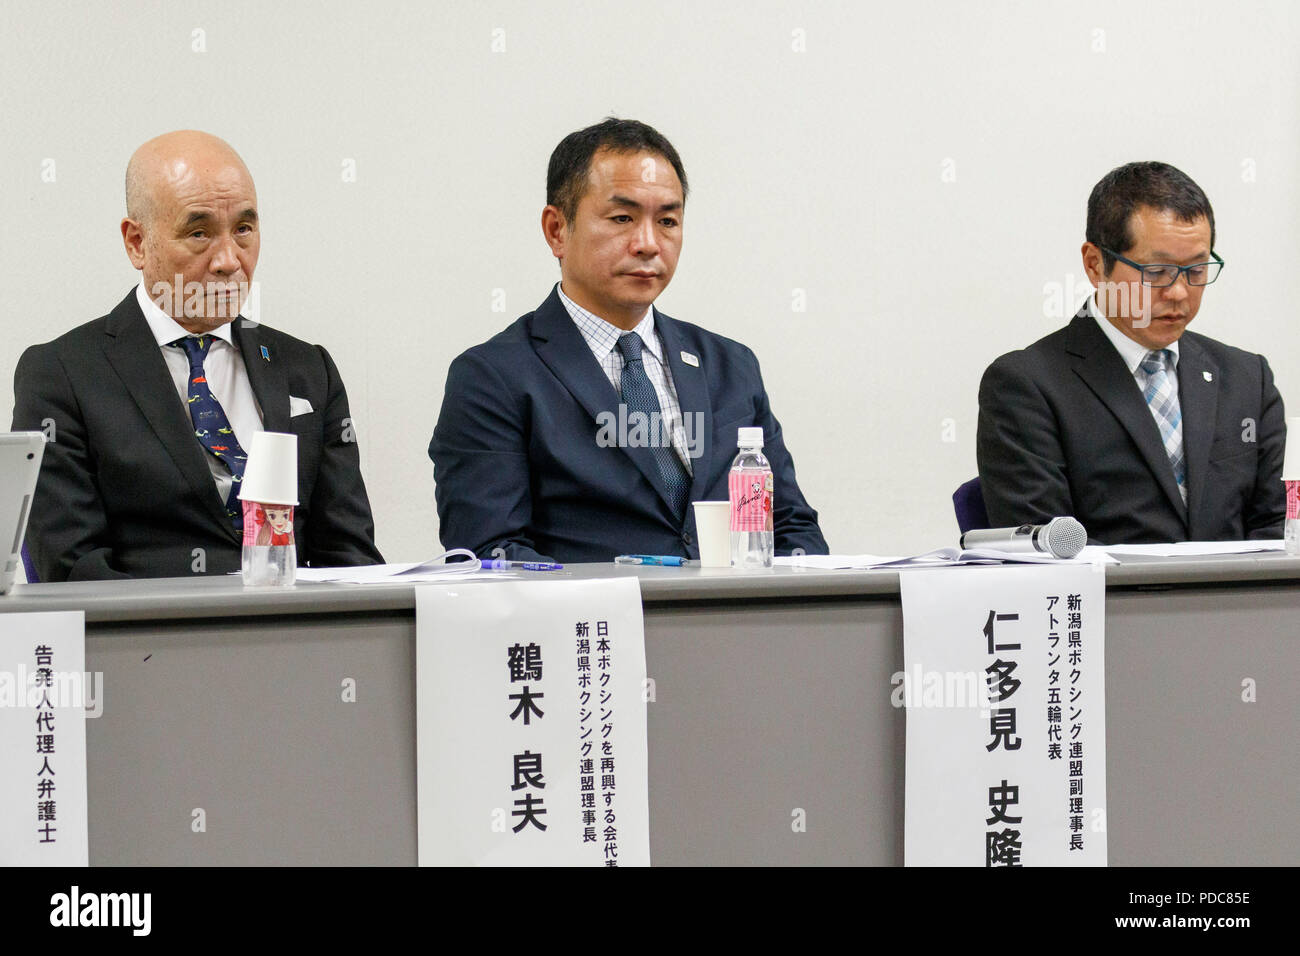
223,367
1130,351
1133,353
602,338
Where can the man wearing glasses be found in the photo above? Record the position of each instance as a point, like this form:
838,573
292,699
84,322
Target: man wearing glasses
1141,430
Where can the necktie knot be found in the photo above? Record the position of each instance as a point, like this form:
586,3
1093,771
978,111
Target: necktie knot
1157,361
630,346
196,347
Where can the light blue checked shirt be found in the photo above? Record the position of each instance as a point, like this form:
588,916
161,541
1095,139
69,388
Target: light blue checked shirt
602,338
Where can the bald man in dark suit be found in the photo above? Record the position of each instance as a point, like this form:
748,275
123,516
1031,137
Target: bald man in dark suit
131,485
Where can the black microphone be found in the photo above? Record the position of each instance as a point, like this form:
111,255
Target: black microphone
1060,537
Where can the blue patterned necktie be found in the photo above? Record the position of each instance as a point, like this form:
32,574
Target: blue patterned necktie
1163,402
639,396
211,427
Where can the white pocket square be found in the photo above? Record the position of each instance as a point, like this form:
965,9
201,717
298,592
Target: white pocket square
298,406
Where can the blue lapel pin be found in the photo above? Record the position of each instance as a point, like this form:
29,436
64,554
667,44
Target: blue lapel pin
266,353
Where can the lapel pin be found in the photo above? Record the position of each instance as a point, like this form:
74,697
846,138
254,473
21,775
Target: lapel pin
690,360
266,353
1209,376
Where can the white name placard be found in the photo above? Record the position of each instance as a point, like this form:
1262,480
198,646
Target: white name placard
1004,683
44,692
531,724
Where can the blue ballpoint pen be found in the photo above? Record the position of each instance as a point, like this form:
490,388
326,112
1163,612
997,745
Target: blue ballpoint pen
667,560
495,564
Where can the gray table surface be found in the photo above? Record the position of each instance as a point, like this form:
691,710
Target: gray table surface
200,596
773,695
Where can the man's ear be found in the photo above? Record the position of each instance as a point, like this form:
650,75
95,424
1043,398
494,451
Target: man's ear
555,228
1093,264
133,240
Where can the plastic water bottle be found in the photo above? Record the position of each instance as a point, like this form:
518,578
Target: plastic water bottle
1291,532
750,488
269,493
269,557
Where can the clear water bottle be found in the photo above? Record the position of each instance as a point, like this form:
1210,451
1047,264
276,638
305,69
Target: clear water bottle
750,488
1291,533
270,556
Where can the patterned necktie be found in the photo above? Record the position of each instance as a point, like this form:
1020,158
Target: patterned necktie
211,427
1163,402
639,396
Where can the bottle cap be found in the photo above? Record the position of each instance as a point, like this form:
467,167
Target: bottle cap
749,437
1291,462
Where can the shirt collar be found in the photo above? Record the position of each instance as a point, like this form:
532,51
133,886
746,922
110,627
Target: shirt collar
602,336
167,330
1130,351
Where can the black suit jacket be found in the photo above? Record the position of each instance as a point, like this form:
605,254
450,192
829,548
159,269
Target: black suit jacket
125,489
519,464
1064,430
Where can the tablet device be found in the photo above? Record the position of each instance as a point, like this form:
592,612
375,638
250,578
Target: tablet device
20,464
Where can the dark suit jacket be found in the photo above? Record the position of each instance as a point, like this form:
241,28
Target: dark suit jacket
518,465
1064,430
125,489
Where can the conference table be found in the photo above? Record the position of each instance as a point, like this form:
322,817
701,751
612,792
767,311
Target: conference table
773,694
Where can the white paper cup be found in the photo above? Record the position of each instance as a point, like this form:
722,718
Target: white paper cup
1291,462
713,532
271,475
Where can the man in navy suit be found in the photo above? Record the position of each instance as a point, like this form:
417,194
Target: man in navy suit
586,428
130,485
1143,431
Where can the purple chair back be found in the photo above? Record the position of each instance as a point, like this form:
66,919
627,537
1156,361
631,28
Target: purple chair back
968,503
29,566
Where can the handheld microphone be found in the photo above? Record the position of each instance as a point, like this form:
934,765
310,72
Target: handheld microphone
1060,537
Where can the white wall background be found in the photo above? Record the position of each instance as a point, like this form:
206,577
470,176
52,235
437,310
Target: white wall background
919,171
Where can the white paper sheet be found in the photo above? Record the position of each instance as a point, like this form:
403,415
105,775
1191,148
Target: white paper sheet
1191,548
938,558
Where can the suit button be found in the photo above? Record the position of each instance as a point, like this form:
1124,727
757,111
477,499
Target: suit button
686,536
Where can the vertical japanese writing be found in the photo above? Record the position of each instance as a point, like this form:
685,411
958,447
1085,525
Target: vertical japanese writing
606,707
1074,651
586,762
46,806
1001,847
525,664
1053,680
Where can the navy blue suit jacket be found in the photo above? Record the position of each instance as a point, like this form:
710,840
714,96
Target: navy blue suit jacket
518,465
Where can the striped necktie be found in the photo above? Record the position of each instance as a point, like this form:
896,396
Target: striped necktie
1162,399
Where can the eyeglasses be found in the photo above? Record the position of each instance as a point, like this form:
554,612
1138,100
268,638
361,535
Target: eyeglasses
1159,275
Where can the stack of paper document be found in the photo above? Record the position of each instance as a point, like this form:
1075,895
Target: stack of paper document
1092,554
938,558
435,570
1184,549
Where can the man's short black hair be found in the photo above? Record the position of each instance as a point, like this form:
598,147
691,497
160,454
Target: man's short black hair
1122,190
566,175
